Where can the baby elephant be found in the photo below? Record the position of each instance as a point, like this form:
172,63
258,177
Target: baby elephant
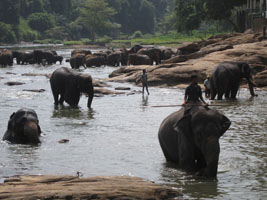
23,127
69,85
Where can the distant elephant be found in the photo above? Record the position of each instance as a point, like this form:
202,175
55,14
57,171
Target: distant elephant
80,51
23,127
6,58
190,138
39,56
226,77
96,61
114,59
153,53
26,57
166,54
124,57
135,49
18,56
58,59
101,53
135,59
70,85
77,60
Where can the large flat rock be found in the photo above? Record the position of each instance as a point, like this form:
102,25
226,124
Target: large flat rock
70,187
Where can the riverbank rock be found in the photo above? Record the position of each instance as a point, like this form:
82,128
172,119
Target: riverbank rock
13,83
177,70
70,187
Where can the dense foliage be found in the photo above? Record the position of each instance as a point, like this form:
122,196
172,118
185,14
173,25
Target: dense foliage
28,20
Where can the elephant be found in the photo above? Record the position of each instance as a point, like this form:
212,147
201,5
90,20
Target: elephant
96,61
70,85
18,56
124,57
226,77
80,51
114,59
23,127
166,54
153,53
135,49
77,60
6,58
39,56
190,138
58,59
136,59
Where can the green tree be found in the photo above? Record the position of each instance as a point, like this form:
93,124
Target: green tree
7,33
189,14
222,10
41,21
96,15
134,15
9,11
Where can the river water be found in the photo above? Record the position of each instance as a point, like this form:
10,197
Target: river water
119,137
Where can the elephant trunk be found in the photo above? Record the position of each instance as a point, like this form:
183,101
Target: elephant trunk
251,85
211,153
90,97
31,132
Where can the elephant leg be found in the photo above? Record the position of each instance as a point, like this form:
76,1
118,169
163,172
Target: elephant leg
61,100
220,95
213,94
55,97
234,93
227,94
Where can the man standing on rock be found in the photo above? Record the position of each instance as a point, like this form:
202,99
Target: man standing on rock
144,81
193,93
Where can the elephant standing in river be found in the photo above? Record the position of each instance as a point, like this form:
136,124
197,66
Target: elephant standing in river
23,127
153,53
226,77
6,58
135,59
190,138
70,85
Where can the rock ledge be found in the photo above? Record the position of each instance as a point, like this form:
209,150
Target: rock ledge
70,187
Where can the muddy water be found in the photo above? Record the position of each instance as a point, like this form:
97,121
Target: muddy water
119,137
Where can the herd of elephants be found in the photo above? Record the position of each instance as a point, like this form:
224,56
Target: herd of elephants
188,137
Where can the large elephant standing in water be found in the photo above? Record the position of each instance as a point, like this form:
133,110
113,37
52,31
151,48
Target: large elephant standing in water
226,77
69,85
23,127
190,138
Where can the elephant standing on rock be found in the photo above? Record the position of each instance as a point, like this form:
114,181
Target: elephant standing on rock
69,85
190,138
226,77
23,127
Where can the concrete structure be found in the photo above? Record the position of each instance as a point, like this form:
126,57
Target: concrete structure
256,14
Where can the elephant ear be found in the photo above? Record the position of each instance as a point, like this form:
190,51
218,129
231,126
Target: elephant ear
225,124
183,125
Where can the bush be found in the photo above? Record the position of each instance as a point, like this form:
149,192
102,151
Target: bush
41,21
103,40
137,34
73,43
26,33
86,41
7,33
